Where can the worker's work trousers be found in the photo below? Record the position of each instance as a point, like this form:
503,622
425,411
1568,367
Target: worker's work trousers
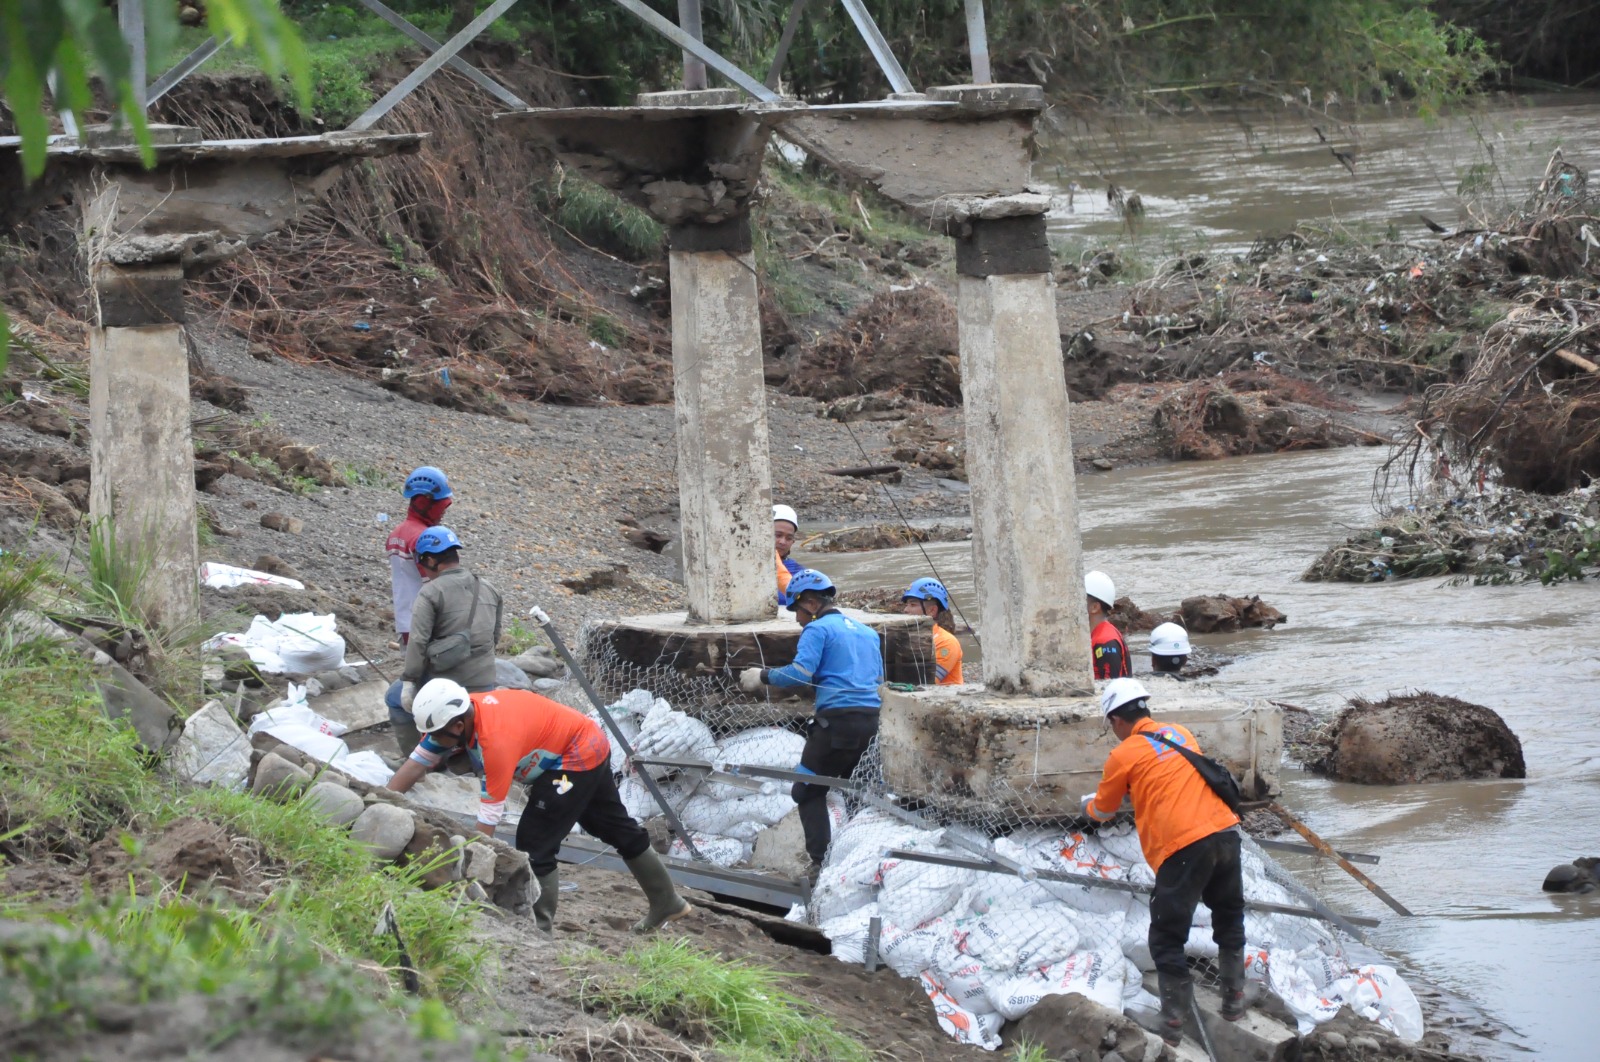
835,742
1206,870
591,801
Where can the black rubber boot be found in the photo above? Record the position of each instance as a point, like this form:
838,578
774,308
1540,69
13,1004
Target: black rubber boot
1177,1000
544,908
665,903
1230,968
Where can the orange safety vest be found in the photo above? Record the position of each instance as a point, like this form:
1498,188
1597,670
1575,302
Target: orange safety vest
946,657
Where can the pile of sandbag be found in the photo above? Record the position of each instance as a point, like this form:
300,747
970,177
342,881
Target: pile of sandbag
988,946
295,723
296,643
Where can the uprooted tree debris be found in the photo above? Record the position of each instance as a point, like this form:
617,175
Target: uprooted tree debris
1410,738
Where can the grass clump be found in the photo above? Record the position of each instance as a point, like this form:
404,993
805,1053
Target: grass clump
519,636
596,216
739,1008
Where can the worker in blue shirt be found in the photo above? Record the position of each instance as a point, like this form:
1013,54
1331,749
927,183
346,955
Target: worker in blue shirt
842,660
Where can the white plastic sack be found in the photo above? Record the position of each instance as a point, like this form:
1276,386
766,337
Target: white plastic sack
1099,975
312,742
980,1030
669,734
1010,940
910,951
763,746
848,933
718,851
366,766
295,712
226,577
914,894
213,748
742,816
296,643
1381,995
968,985
1293,983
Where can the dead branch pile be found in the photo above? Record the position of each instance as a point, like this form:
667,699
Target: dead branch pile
1498,536
901,341
1248,413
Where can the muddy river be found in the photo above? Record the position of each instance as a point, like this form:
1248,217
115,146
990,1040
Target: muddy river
1468,857
1219,182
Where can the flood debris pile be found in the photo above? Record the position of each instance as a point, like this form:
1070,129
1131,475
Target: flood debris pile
883,536
1410,738
1579,876
1249,413
1498,535
903,340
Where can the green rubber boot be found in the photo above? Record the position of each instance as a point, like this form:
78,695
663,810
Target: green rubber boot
1230,966
1177,1000
544,908
665,903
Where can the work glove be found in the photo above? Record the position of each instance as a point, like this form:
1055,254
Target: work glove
1085,804
750,680
408,694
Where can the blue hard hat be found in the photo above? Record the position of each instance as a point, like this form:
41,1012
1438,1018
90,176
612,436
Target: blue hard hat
924,589
810,579
436,540
427,480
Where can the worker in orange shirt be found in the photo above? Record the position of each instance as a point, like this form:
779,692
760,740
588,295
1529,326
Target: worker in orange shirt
564,759
928,597
785,529
1111,658
1190,839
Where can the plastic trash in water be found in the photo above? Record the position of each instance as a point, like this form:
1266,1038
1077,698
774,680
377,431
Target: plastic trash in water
444,376
362,326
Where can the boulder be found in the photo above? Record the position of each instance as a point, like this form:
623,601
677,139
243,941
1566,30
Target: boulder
278,779
539,662
385,829
509,676
1420,737
334,801
212,748
1580,875
480,863
1075,1026
514,886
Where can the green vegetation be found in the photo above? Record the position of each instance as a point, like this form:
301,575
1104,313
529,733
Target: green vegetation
363,475
596,216
70,777
519,636
739,1008
1027,1051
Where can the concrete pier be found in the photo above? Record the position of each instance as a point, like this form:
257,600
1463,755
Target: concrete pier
1026,549
719,393
692,159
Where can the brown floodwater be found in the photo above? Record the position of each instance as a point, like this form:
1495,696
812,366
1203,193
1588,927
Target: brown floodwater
1220,181
1468,858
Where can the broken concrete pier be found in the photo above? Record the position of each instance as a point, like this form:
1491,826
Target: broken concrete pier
692,159
145,231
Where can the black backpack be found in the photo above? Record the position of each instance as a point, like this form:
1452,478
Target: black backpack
1218,777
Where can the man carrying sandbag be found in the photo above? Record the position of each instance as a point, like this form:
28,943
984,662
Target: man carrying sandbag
842,660
455,626
564,759
1190,838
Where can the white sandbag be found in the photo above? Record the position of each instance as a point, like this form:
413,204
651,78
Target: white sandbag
762,746
718,851
295,712
1009,940
1305,1000
1121,842
914,894
312,742
980,1030
508,676
1099,975
297,643
910,951
1200,944
968,985
212,749
368,766
669,734
848,933
226,577
1381,995
1082,853
1000,890
638,801
742,816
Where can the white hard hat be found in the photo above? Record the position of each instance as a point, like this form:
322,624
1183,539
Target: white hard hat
439,703
1099,586
783,512
1169,639
1119,692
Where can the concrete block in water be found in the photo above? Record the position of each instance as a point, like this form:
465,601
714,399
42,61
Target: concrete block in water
1036,756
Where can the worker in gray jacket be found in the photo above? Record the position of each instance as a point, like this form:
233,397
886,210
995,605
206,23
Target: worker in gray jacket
455,626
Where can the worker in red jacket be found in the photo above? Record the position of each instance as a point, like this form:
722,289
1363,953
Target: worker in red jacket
1110,651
